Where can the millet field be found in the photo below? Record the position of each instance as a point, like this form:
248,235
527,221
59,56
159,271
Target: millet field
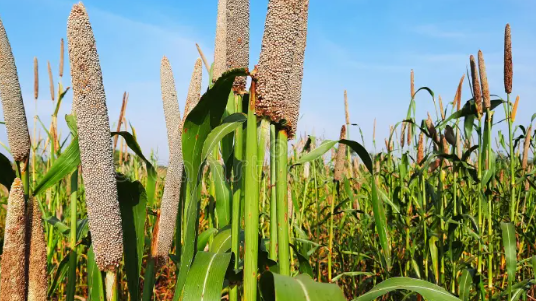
249,209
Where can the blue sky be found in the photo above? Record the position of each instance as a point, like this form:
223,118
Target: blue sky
366,47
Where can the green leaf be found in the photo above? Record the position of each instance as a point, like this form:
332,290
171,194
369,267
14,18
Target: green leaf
317,152
426,289
205,279
132,202
62,269
223,193
465,283
200,122
509,243
361,152
228,126
7,174
328,144
222,241
351,274
381,224
300,288
94,278
204,237
151,172
59,225
64,165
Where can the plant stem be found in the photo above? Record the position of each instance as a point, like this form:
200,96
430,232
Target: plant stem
282,202
251,244
330,248
237,185
71,279
273,194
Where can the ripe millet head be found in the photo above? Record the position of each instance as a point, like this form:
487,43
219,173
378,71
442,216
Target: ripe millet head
484,81
13,270
194,91
508,62
96,155
37,255
477,93
280,69
220,49
172,186
12,104
341,157
237,37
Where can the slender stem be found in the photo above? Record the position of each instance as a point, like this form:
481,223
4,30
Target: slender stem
237,185
490,215
251,210
71,280
273,194
282,202
330,248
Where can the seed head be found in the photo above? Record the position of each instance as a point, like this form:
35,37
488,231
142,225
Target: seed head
346,109
51,81
410,133
402,135
526,148
172,188
96,156
36,79
420,149
220,49
514,110
37,255
508,63
412,84
458,97
341,157
194,91
477,93
13,270
431,129
62,57
280,69
12,104
450,136
441,108
484,81
237,37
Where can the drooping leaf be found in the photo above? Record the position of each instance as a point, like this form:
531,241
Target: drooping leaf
151,172
465,283
300,288
200,122
205,279
223,193
426,289
94,278
132,202
59,274
204,237
509,243
64,165
7,174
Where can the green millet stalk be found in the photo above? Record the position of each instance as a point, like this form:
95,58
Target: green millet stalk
237,39
37,255
508,64
194,91
477,93
280,69
484,81
172,188
12,104
96,155
51,82
220,49
13,270
341,157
